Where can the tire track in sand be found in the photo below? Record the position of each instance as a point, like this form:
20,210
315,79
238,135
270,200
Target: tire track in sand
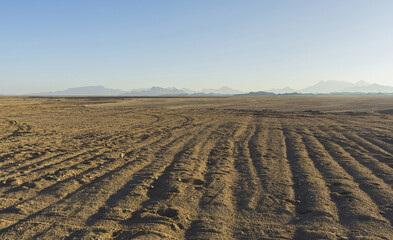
316,214
75,186
357,210
163,213
218,197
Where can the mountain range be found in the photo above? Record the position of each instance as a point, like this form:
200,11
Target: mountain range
85,91
156,91
333,86
153,91
322,87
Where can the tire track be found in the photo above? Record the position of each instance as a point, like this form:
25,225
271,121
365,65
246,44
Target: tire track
249,184
65,169
376,188
383,144
357,208
353,140
364,157
117,210
150,170
52,212
316,214
168,189
17,129
218,196
142,128
56,168
366,154
254,146
273,202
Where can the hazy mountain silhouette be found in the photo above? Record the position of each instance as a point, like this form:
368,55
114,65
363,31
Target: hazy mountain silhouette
259,93
371,88
223,91
189,91
282,90
332,86
159,91
327,87
153,91
323,87
84,91
156,91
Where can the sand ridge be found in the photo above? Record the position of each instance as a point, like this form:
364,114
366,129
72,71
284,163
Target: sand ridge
194,168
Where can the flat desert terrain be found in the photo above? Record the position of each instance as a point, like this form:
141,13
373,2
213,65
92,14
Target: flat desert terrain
196,168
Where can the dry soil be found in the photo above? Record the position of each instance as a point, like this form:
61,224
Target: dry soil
196,168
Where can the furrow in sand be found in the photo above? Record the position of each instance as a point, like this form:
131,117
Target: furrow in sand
384,151
367,134
378,190
361,146
38,179
95,168
82,166
316,214
249,185
352,139
33,185
357,210
216,219
379,168
384,136
56,190
167,208
263,155
137,196
36,159
37,170
275,161
37,164
31,160
370,156
144,129
71,160
256,149
81,202
20,153
147,177
380,141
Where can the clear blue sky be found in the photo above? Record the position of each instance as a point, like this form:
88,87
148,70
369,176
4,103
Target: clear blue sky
248,45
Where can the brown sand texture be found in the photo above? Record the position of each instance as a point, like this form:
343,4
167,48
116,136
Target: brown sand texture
196,168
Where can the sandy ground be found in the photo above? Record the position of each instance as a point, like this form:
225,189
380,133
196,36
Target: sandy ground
196,168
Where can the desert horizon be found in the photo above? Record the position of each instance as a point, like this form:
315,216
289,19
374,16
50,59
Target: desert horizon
197,120
196,168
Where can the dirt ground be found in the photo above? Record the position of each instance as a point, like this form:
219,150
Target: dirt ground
196,168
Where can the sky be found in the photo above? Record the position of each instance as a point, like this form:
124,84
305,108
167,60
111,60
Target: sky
249,45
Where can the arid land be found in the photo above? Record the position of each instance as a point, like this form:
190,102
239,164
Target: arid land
196,168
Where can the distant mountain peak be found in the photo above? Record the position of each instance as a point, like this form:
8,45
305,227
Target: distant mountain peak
322,87
362,83
334,86
87,91
223,90
282,90
156,91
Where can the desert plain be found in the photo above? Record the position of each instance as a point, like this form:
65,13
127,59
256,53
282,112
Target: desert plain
196,168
